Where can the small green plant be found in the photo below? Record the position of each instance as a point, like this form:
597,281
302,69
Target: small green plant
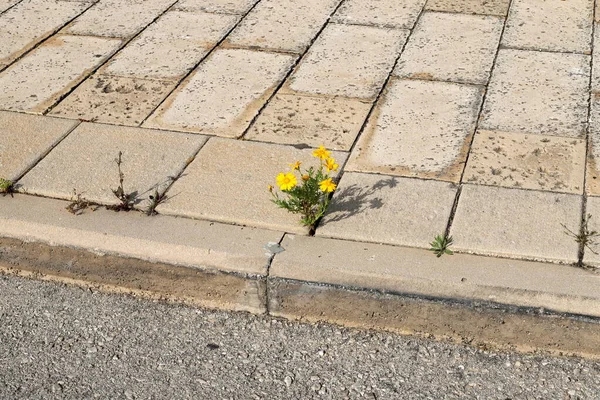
6,187
127,200
155,200
586,237
441,244
311,197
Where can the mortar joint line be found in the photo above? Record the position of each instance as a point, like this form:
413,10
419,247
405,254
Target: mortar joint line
476,127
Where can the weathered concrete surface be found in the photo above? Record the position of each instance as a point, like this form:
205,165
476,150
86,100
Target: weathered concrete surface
312,120
216,6
387,209
171,46
223,101
114,100
420,129
593,161
485,7
18,152
538,92
228,182
488,221
519,160
451,47
348,60
85,162
385,13
284,25
36,82
31,21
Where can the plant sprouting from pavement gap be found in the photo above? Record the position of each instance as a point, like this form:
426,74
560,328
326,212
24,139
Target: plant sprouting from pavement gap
586,237
78,204
127,199
155,200
7,187
311,197
441,245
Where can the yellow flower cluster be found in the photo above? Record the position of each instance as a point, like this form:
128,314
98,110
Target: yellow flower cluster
287,181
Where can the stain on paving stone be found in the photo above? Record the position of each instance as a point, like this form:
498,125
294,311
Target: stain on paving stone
527,161
311,120
116,100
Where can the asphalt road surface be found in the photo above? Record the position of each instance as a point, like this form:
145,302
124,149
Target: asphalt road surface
61,342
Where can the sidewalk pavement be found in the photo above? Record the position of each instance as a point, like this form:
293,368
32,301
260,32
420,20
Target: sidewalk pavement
474,118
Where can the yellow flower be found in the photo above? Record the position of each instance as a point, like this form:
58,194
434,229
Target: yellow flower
270,188
286,181
327,185
305,177
331,165
321,153
295,166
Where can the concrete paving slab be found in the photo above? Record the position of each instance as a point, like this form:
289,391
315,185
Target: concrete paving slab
285,25
516,223
385,13
31,21
539,162
596,60
311,120
484,7
114,100
418,272
538,92
228,182
177,241
451,47
386,209
171,46
85,162
591,254
419,128
593,160
216,6
223,100
550,25
6,4
25,139
116,18
38,80
349,61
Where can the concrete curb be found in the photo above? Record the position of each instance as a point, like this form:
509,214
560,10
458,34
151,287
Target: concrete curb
472,299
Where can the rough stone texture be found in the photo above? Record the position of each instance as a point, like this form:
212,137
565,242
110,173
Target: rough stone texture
216,6
451,47
31,21
85,162
35,82
386,209
24,139
6,4
348,60
115,100
116,18
536,92
596,59
296,119
486,7
228,182
172,46
527,161
286,25
202,245
516,223
419,272
419,128
554,25
387,13
224,93
593,161
593,209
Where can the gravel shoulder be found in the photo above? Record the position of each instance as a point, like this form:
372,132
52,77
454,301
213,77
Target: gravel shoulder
59,341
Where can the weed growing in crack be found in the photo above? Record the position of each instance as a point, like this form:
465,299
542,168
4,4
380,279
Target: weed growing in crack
7,187
155,200
127,200
586,237
78,204
441,244
311,197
